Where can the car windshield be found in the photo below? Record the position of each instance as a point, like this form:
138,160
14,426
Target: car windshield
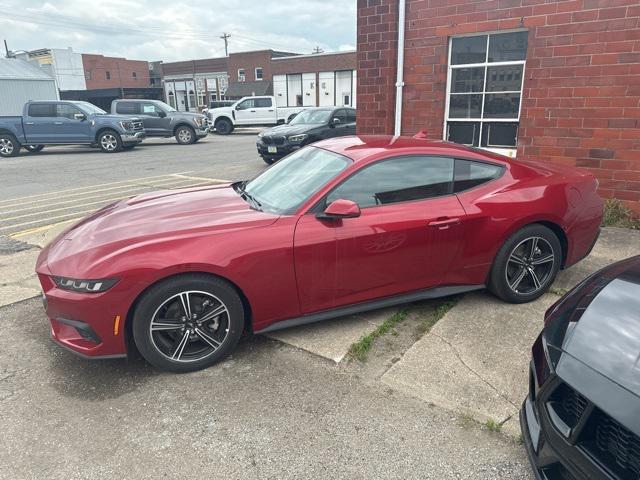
311,116
292,181
90,108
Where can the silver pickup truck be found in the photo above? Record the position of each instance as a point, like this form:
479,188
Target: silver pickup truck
162,120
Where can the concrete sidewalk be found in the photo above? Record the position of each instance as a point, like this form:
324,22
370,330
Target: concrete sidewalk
475,360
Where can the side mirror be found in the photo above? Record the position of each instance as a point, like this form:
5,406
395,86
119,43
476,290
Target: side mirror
335,121
340,209
79,116
162,113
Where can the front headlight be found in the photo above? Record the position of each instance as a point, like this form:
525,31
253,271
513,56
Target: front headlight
297,138
84,286
260,135
199,121
126,125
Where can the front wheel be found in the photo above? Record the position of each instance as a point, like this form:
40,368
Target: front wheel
9,146
526,265
109,141
224,126
33,148
185,135
188,323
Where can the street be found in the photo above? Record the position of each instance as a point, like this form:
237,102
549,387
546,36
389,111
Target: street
270,411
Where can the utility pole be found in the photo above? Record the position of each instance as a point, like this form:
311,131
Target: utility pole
6,48
225,36
317,49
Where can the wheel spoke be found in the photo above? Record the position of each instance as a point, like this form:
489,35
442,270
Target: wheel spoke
515,283
207,338
517,259
541,260
180,348
186,305
534,246
534,277
162,324
219,310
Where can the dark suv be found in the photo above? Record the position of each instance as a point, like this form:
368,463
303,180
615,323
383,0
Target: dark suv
307,127
162,120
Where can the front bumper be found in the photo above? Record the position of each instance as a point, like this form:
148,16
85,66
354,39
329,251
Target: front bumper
283,150
129,138
202,131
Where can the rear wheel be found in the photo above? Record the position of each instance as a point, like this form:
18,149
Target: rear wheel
9,146
185,135
33,148
187,323
109,141
224,126
526,265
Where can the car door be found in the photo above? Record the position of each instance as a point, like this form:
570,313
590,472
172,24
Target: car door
265,111
39,123
351,121
339,124
245,111
404,240
71,124
154,119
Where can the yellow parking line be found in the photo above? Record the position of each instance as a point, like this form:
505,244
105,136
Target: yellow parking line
218,180
44,228
169,182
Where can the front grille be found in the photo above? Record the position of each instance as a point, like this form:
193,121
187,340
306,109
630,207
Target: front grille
614,445
137,125
273,140
568,404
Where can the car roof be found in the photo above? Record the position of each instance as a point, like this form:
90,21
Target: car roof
363,147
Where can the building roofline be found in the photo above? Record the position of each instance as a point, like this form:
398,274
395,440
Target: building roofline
310,55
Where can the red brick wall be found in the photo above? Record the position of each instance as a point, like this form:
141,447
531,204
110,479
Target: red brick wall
314,63
249,61
120,69
581,97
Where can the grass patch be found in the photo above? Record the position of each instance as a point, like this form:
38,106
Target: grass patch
558,291
360,349
493,426
441,310
617,215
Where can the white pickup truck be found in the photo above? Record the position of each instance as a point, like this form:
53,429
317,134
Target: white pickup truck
249,112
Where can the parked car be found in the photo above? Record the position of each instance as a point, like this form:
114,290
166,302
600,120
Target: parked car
581,419
68,123
162,120
307,127
250,112
341,226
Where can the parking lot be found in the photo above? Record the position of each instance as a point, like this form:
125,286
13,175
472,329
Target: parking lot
271,411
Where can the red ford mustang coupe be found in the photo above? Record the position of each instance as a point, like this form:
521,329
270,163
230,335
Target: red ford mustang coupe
342,226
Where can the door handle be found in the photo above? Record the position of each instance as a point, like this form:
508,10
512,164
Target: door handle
443,223
271,110
57,123
252,111
28,123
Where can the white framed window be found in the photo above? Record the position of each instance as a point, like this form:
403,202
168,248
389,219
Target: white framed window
484,89
259,73
241,76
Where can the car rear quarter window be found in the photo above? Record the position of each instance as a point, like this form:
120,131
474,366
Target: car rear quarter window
395,180
127,108
42,110
469,174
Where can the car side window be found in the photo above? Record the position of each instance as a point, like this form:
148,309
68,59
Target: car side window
341,114
351,116
263,102
149,109
249,103
127,108
65,110
469,174
42,110
395,180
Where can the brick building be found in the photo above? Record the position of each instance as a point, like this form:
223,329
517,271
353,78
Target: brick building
557,81
114,72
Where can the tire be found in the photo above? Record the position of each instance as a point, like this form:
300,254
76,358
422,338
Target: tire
185,135
269,161
9,145
170,346
519,275
109,141
224,126
33,148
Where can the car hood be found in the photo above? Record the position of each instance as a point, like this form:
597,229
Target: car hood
147,219
287,130
606,337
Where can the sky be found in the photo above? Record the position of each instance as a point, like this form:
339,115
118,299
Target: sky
171,30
